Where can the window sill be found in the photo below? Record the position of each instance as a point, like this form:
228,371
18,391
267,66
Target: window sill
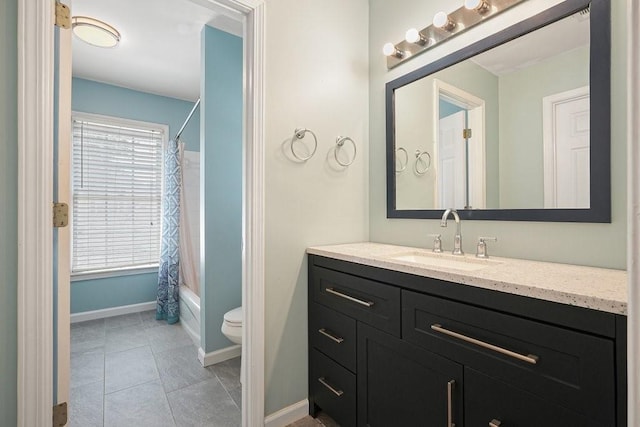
117,272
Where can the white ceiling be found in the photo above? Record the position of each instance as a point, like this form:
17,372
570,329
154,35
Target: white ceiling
159,51
532,48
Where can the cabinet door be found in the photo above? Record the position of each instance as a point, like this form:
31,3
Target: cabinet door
402,385
490,402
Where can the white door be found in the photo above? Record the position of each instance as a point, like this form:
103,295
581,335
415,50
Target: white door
62,243
452,168
567,177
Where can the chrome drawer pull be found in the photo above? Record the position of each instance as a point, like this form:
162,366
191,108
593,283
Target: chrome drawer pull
332,337
529,358
450,386
495,423
333,390
350,298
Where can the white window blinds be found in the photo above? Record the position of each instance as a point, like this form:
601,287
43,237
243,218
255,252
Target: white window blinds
117,194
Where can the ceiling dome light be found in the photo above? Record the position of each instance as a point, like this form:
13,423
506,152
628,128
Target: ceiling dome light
95,32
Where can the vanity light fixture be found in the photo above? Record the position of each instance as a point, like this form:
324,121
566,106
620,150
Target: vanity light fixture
443,26
389,49
441,20
95,32
480,6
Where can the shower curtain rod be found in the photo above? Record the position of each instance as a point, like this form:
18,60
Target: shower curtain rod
193,110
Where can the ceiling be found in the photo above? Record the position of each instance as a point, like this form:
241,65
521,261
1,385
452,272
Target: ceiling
554,39
159,50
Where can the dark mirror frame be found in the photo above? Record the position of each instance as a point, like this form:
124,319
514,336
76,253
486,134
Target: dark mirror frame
600,93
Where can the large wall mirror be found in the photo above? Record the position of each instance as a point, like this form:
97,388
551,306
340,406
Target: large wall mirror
513,127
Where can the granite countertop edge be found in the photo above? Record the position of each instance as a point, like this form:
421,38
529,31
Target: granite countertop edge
588,287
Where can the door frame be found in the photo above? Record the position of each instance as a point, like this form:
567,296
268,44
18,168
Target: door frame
35,196
633,212
477,153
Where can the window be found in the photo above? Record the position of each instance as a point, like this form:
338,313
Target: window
117,193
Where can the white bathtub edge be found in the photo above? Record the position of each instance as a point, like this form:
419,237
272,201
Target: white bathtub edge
288,415
113,311
192,301
218,356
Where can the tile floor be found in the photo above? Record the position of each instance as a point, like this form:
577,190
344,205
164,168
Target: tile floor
133,370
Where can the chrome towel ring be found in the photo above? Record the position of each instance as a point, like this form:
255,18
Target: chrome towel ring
339,144
420,159
300,134
403,166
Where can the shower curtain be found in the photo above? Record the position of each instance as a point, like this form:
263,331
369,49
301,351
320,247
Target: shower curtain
168,307
189,225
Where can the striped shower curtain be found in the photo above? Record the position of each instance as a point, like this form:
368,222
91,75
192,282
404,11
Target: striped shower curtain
168,307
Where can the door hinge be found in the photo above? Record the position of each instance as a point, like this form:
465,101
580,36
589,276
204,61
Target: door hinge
63,15
60,215
466,133
60,414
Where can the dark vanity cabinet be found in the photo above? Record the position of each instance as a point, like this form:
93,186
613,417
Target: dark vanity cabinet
390,349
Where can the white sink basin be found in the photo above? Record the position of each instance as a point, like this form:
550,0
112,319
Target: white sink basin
454,262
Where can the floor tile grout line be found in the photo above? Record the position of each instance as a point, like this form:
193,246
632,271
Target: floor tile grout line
142,326
164,392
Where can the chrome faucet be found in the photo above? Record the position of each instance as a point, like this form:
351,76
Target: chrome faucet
457,241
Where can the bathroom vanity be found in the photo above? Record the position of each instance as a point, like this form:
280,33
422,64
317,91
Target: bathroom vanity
404,337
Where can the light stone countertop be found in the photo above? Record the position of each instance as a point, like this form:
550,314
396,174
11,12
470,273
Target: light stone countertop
595,288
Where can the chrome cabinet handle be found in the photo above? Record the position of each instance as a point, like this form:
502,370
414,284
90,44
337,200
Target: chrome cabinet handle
322,381
529,358
450,386
332,337
495,423
350,298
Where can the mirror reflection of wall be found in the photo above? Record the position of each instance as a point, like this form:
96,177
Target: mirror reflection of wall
529,147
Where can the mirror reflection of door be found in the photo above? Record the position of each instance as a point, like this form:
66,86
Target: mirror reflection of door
566,149
452,161
460,148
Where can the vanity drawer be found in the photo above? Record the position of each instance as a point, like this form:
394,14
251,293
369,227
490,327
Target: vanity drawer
573,369
334,334
332,388
489,402
374,303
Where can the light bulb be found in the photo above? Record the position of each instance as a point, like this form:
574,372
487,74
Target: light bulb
412,35
477,5
472,4
388,49
440,19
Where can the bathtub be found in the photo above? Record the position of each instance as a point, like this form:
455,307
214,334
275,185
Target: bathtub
190,313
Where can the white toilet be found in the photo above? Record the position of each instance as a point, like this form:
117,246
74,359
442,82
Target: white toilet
232,325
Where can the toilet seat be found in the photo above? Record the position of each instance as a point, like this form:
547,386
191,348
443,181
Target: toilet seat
232,325
234,317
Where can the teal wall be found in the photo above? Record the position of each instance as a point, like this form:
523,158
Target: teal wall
96,294
9,217
109,100
100,98
221,152
445,109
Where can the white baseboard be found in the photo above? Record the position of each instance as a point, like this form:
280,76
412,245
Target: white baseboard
208,359
110,312
288,415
